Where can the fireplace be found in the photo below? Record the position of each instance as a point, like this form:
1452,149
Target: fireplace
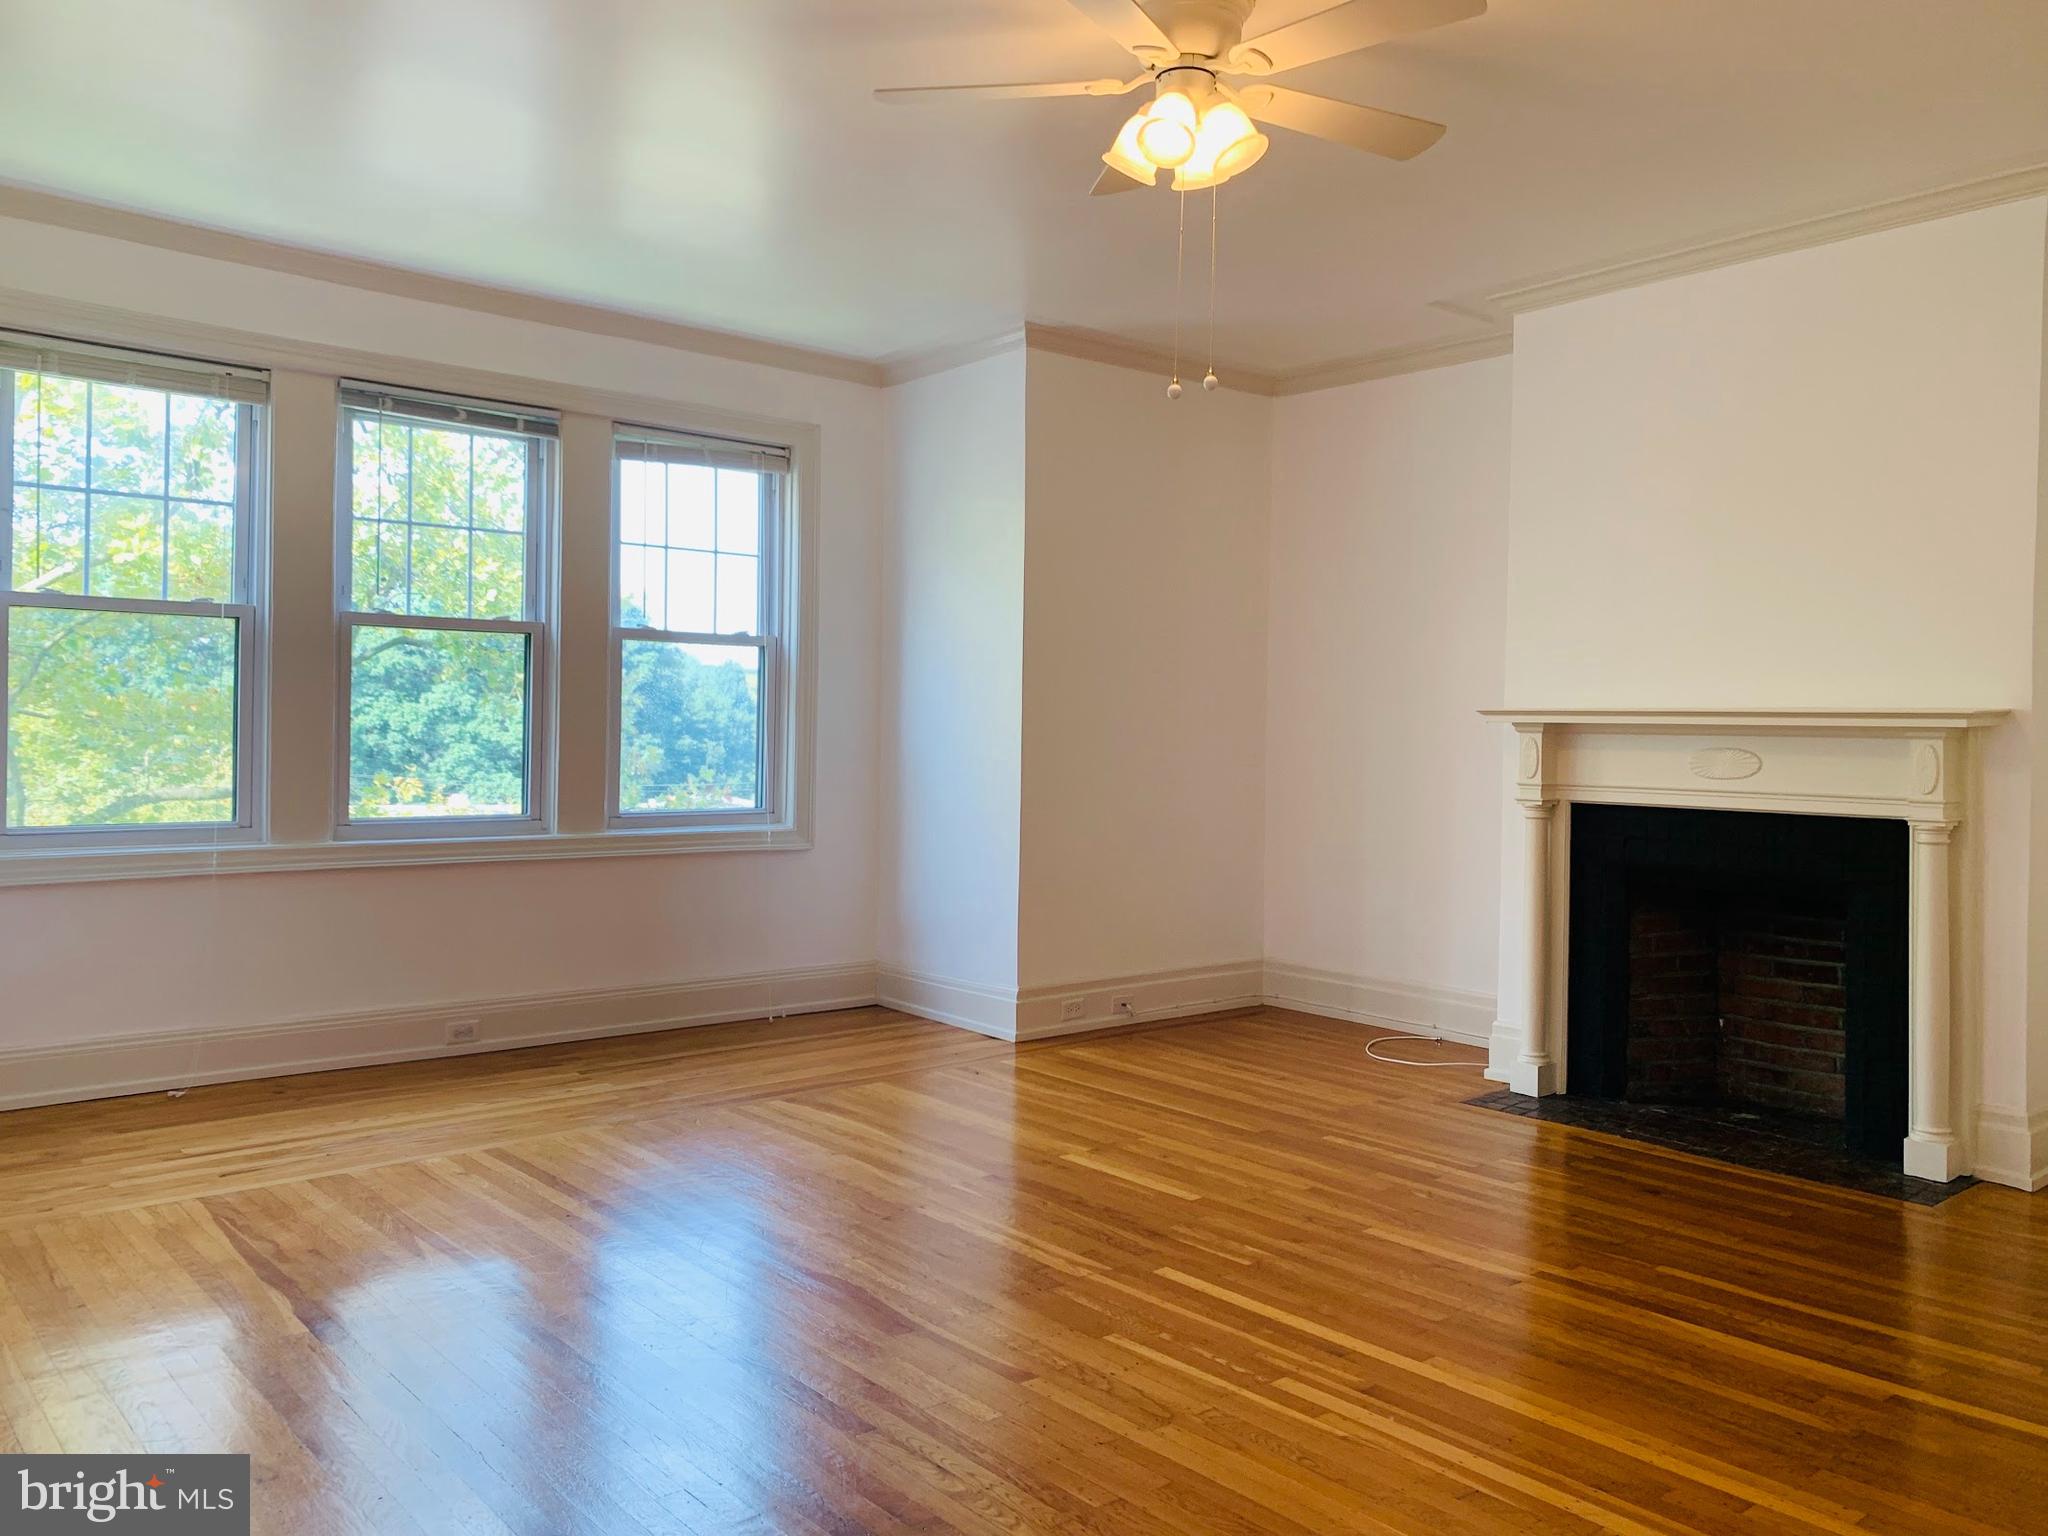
1749,963
1813,785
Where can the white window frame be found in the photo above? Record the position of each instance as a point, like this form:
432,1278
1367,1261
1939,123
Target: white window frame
247,390
424,407
774,771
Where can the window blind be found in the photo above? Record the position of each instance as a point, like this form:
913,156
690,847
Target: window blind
646,443
142,370
449,410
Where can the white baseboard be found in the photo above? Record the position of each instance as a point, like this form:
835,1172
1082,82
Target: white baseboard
1072,1008
143,1063
986,1010
2012,1147
1466,1017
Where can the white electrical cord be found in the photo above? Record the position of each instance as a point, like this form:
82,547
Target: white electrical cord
1398,1061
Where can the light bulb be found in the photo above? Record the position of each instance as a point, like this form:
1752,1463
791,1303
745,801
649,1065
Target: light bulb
1166,137
1125,156
1210,381
1226,143
1173,390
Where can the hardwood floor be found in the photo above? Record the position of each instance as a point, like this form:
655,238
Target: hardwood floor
861,1272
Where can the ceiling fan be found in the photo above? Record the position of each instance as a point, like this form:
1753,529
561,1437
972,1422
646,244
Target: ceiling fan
1209,91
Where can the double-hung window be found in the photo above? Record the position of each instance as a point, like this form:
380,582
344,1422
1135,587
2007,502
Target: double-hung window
446,512
129,578
702,602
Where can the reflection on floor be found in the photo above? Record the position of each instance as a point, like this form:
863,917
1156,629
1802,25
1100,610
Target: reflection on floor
1796,1146
861,1272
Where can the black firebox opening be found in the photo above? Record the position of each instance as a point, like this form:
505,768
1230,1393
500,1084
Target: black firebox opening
1753,963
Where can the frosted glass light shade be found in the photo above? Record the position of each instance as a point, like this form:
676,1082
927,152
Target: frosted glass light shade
1166,137
1226,143
1125,156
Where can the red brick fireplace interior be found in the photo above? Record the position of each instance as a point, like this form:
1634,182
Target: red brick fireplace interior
1738,1003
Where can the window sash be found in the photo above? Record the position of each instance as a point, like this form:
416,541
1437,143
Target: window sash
767,737
248,390
246,824
540,506
772,777
536,703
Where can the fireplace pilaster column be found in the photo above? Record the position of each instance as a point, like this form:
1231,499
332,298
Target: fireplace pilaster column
1931,1151
1535,1072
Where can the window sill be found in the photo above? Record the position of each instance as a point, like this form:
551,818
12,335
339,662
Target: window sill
73,865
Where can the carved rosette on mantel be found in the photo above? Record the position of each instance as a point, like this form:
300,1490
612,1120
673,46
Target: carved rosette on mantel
1909,765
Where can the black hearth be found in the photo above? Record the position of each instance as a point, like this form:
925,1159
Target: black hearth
1745,965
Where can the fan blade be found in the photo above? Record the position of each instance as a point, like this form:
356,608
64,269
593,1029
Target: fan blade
1344,29
1113,180
1122,20
903,93
1341,122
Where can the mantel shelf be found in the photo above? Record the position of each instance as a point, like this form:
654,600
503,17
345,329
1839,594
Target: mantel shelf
1874,720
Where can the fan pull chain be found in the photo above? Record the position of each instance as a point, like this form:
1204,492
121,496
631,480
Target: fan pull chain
1209,375
1180,243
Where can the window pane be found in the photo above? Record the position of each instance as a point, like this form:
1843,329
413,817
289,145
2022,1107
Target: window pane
739,512
640,605
49,540
202,448
440,572
440,476
437,723
202,551
739,595
119,719
689,727
692,507
500,485
127,546
635,525
49,435
691,586
127,439
419,494
497,575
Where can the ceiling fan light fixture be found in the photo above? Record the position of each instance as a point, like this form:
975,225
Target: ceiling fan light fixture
1125,155
1226,144
1167,130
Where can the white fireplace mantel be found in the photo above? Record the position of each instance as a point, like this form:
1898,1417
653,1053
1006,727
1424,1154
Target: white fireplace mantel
1913,765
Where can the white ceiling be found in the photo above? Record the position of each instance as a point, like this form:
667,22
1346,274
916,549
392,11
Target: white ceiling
723,164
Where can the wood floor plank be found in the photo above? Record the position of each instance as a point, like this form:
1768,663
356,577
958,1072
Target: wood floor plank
858,1272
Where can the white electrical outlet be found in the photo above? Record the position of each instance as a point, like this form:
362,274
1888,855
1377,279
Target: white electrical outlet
1073,1008
462,1031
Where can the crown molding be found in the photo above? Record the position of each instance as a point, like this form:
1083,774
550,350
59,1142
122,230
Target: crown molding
38,207
1065,341
903,367
1115,351
1847,224
1397,360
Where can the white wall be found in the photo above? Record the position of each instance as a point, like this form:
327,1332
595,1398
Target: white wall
953,729
1388,585
1813,479
264,948
1144,674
